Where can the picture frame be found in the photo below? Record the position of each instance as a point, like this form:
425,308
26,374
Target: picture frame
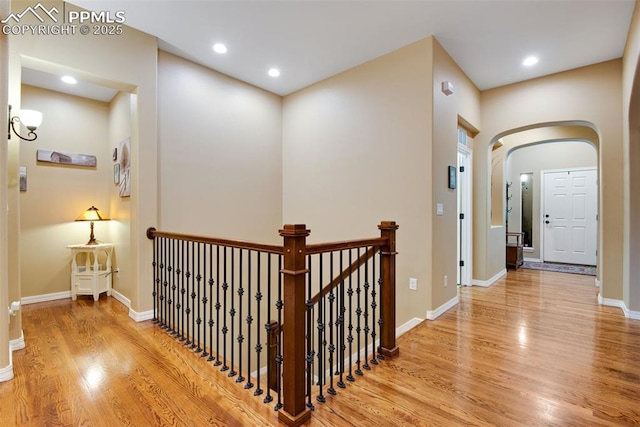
66,159
116,173
452,177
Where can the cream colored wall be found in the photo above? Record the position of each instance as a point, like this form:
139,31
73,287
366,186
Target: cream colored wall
56,194
6,370
463,105
220,154
362,147
100,59
357,151
591,94
534,159
631,138
120,120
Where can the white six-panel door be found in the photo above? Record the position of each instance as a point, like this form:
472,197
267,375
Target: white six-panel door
569,216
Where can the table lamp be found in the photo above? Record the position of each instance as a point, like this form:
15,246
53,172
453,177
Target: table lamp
92,214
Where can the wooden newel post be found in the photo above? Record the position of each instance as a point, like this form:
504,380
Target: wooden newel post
294,411
388,293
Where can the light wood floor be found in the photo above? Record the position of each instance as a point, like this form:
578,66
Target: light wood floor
533,349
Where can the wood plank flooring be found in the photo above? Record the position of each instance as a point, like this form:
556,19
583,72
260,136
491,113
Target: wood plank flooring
534,349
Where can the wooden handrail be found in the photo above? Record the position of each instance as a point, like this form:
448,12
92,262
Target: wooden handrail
318,248
152,233
343,275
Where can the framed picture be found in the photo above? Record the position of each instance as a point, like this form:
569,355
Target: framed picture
23,178
125,168
58,157
452,177
116,173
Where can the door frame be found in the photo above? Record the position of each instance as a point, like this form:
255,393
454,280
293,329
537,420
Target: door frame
542,199
465,197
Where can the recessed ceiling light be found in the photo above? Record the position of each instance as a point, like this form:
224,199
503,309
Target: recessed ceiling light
219,48
274,72
68,79
529,61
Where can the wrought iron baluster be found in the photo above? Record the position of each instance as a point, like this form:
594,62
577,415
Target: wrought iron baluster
321,334
172,312
258,390
249,319
350,376
374,305
240,335
190,281
156,280
268,326
210,323
358,316
232,313
279,305
182,291
382,302
163,282
217,284
340,324
225,329
197,289
309,337
366,316
332,347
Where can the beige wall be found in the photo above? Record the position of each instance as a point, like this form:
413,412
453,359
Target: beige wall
100,60
120,119
220,154
534,159
357,151
590,94
56,194
362,147
631,128
462,107
6,369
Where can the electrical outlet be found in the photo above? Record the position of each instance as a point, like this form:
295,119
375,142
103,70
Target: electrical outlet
445,281
413,284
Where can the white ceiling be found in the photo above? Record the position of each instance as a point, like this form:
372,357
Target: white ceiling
312,40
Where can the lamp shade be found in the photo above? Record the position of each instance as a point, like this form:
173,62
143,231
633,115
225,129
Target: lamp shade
92,214
31,119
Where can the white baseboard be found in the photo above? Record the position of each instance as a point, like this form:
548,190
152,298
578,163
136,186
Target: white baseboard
45,297
532,259
6,373
621,305
119,297
434,314
142,316
486,283
18,343
402,329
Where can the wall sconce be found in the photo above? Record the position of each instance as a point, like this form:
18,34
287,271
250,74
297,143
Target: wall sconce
31,119
92,214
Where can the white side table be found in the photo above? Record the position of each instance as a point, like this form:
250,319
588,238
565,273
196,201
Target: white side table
92,277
